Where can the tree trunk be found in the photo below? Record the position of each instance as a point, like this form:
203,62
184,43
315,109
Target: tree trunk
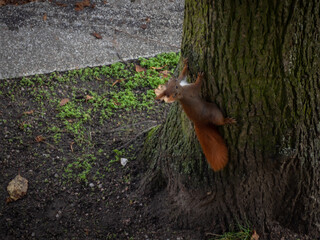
261,62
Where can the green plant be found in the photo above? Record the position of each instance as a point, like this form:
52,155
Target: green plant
80,169
242,233
117,155
161,60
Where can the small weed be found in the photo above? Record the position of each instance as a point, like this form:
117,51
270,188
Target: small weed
242,233
80,169
118,154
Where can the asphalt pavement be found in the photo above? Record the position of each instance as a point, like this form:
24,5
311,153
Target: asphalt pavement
42,37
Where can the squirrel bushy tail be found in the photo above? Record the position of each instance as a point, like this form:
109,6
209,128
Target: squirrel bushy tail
213,146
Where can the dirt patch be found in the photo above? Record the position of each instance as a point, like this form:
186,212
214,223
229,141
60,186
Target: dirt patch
78,188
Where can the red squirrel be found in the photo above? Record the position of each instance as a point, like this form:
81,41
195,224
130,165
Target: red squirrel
205,115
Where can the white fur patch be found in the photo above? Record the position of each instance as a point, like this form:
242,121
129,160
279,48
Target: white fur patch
184,83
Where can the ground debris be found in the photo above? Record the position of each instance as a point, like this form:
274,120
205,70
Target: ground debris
17,188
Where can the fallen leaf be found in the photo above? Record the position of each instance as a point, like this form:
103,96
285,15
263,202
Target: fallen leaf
165,73
39,138
116,102
158,68
88,97
17,188
117,81
254,235
71,146
81,5
105,2
28,112
97,35
61,4
139,68
147,19
45,17
64,101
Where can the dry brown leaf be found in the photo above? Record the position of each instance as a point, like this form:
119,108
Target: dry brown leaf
254,235
61,4
71,146
45,17
97,35
165,73
17,188
115,101
117,81
28,112
158,68
64,101
105,2
39,138
88,97
139,68
147,19
81,5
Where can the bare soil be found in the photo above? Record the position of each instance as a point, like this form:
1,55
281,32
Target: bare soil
63,200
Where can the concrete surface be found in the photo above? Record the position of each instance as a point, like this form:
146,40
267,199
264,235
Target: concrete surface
31,44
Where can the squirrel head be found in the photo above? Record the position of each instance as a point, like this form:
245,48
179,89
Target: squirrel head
169,92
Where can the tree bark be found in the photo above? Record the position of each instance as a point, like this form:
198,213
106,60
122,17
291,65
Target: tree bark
261,61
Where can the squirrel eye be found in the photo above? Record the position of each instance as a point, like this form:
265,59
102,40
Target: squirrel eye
176,87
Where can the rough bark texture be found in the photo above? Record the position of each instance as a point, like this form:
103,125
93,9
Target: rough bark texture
261,61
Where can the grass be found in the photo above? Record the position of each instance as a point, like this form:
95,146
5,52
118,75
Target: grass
241,233
102,96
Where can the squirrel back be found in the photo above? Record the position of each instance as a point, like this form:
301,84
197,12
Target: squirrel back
205,116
